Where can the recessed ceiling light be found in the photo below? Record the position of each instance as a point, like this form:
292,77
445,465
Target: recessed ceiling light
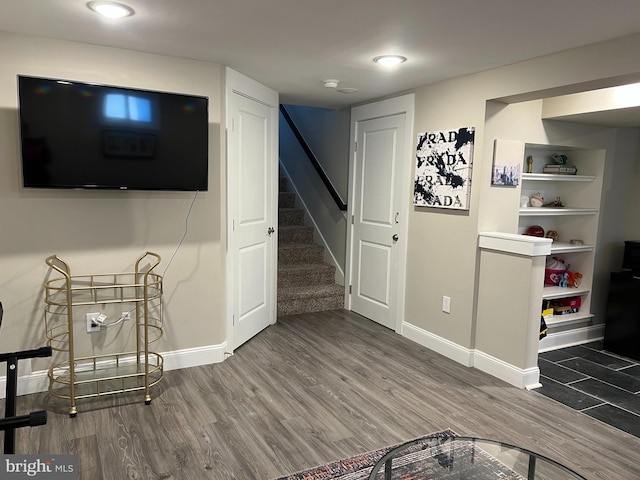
111,9
390,60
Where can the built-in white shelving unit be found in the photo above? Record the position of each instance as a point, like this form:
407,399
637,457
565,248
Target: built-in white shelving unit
571,208
576,219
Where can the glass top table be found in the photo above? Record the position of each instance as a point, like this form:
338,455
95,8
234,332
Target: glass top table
466,458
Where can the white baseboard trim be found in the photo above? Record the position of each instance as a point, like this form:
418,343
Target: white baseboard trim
569,338
36,382
522,378
194,357
438,344
534,386
529,378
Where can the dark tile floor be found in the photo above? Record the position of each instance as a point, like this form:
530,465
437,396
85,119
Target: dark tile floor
598,383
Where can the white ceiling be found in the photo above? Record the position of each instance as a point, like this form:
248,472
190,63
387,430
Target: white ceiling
293,45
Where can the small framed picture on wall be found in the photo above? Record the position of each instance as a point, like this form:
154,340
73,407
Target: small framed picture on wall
507,163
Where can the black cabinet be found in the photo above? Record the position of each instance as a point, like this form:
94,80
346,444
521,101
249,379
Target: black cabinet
622,330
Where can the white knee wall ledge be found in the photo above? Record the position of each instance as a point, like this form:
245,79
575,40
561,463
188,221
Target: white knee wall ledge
510,282
514,243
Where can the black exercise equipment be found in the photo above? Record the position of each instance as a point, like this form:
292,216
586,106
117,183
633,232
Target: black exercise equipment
11,421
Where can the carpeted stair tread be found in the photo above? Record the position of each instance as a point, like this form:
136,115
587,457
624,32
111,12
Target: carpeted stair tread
305,268
289,234
290,216
298,274
293,307
286,200
315,298
295,227
310,291
300,253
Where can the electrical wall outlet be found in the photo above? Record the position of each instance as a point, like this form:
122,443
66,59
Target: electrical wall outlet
92,324
446,304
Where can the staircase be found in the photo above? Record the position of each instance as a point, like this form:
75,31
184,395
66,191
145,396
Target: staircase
305,282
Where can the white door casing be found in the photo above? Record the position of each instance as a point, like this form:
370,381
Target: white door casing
252,146
380,185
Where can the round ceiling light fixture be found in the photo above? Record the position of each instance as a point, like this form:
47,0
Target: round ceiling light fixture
390,60
330,83
111,9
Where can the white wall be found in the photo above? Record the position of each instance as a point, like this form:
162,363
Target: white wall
105,231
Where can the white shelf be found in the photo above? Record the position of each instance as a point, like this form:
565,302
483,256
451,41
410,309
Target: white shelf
564,247
551,293
568,319
555,211
551,177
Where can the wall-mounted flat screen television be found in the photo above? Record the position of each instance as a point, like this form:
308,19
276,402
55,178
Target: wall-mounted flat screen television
81,135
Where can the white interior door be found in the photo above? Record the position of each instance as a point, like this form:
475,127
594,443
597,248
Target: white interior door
252,205
379,211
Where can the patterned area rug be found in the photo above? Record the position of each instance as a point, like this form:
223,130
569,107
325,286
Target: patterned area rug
436,459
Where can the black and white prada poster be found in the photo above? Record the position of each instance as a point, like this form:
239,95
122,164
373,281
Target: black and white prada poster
443,171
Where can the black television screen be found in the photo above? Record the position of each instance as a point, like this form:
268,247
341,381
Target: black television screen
81,135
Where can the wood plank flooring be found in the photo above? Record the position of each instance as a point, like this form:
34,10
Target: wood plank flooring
311,389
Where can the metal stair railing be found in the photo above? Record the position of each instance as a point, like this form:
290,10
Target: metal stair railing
314,161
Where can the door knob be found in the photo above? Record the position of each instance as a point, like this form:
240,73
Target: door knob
270,230
395,237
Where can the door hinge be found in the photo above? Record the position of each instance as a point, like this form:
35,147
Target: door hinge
353,219
355,146
350,289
